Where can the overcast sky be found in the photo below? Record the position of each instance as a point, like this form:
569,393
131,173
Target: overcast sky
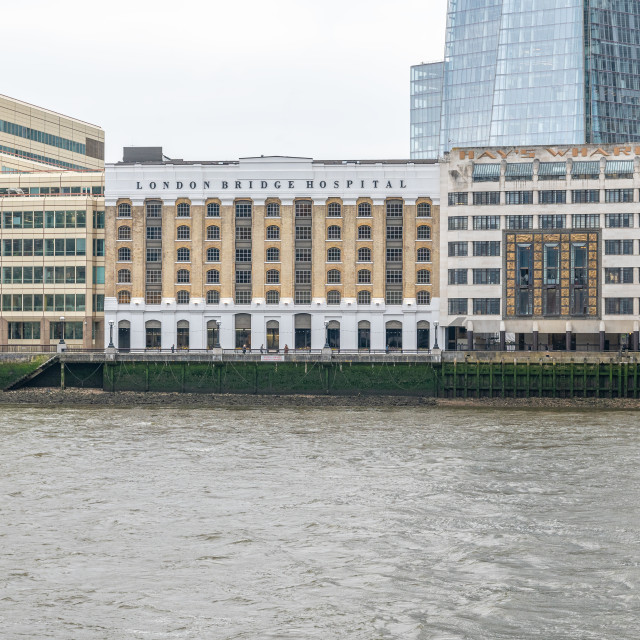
212,80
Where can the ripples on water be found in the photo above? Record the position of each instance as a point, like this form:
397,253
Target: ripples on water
339,523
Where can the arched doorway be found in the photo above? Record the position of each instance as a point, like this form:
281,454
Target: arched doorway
394,334
423,335
182,338
153,331
213,334
124,335
303,330
243,330
333,334
273,335
364,335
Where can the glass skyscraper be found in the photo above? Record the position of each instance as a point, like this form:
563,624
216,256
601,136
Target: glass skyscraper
530,72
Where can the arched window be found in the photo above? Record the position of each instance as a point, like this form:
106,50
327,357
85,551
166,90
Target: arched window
364,232
423,297
334,254
213,276
423,276
213,210
273,276
364,297
424,255
333,297
184,210
334,210
124,297
424,232
213,297
273,232
184,254
124,276
333,276
213,255
183,297
213,232
183,276
364,276
184,232
124,254
273,254
364,210
124,210
273,210
124,233
334,232
364,254
273,297
424,210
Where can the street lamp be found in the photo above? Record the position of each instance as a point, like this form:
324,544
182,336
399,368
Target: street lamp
326,335
61,329
111,345
435,343
216,342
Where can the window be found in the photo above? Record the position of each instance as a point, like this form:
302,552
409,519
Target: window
423,276
334,254
183,276
486,222
154,233
273,232
98,220
364,276
423,255
618,195
553,221
273,276
154,276
302,297
552,171
24,330
154,209
394,232
243,297
303,209
364,297
424,232
364,210
213,297
524,279
585,220
394,209
124,254
243,255
213,276
423,210
458,198
213,210
486,306
184,254
364,232
124,210
394,255
618,220
303,255
243,276
486,197
334,210
364,254
303,276
243,233
519,222
183,233
582,196
584,170
519,197
273,254
213,232
457,223
486,172
243,209
458,249
273,210
486,276
213,255
552,197
184,210
124,276
617,275
124,297
394,276
393,297
333,276
457,276
273,297
618,306
154,255
516,171
303,233
124,233
423,297
334,233
619,169
618,247
457,306
183,297
333,297
491,248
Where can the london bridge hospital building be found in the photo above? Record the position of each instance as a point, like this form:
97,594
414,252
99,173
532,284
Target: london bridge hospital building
271,252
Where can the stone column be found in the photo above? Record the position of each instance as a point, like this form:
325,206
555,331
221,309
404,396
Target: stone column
567,342
503,337
535,336
470,336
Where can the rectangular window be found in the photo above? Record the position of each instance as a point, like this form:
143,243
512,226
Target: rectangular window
243,233
457,276
553,221
552,171
243,255
154,276
519,222
458,249
243,210
457,306
618,195
618,220
618,275
153,297
303,255
303,209
618,306
98,275
486,172
98,219
303,233
491,248
519,197
154,233
485,222
457,223
618,247
486,197
486,276
394,255
98,247
243,276
394,233
393,297
303,297
551,275
486,306
552,197
154,255
394,209
458,198
394,276
585,220
243,297
583,196
303,276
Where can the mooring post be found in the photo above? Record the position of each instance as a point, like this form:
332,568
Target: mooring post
62,376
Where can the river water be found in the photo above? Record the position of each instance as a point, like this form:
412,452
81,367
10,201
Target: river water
424,523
